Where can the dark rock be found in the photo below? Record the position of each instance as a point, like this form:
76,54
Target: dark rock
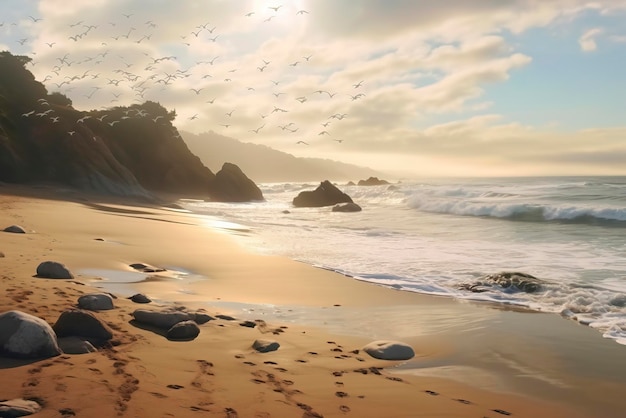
162,319
26,336
248,324
145,268
265,346
53,270
286,212
140,298
79,323
96,302
347,207
225,317
326,194
183,331
372,181
16,229
75,345
232,185
512,281
389,350
18,408
202,318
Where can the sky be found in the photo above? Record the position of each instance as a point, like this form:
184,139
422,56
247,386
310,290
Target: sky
414,88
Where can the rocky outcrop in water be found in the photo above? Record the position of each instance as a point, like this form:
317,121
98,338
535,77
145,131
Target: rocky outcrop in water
372,181
326,194
230,184
511,281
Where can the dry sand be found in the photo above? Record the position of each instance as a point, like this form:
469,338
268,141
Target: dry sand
321,320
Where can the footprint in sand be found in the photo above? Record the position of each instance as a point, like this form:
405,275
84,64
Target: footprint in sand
67,412
231,413
463,401
344,408
302,361
501,411
176,387
280,369
341,394
158,395
270,362
249,363
431,392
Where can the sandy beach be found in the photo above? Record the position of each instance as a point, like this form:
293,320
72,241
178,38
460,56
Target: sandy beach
472,360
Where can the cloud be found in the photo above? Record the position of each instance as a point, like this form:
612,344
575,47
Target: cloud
587,41
393,70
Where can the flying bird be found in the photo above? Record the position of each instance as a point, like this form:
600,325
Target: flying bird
275,8
359,84
301,12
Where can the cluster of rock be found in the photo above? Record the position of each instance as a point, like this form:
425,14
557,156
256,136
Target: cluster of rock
176,325
326,194
76,331
372,181
507,281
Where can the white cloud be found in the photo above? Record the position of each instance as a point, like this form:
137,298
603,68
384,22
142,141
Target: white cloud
412,61
587,41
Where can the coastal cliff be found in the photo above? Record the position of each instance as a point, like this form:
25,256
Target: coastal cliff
126,151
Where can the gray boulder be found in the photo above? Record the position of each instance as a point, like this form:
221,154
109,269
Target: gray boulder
18,408
75,345
53,270
16,229
140,298
265,346
347,207
79,323
26,336
96,302
162,319
389,350
183,331
326,194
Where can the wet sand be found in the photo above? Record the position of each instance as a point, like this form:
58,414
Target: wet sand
471,359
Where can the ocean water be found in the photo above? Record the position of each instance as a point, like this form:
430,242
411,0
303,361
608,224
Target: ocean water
435,236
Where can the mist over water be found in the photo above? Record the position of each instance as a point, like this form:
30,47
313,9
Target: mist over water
434,236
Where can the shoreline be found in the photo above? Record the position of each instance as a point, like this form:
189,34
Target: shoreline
462,348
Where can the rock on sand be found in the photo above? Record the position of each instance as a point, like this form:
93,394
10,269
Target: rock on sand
265,346
53,270
389,350
26,336
96,302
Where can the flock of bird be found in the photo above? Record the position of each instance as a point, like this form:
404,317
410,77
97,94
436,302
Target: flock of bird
121,72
